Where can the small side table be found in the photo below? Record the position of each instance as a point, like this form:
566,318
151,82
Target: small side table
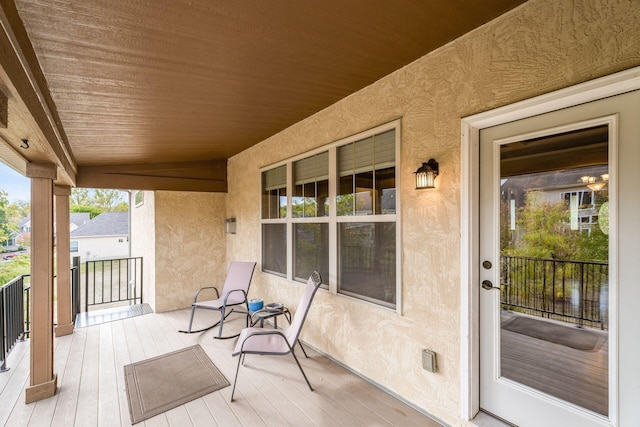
264,314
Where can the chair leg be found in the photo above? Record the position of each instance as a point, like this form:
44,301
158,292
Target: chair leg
303,374
302,348
193,311
235,380
221,322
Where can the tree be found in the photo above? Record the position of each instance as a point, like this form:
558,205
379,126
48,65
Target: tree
20,209
91,210
80,197
121,207
97,201
107,200
6,226
543,232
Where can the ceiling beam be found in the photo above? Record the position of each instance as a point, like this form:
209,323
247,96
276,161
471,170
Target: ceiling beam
32,113
4,108
203,176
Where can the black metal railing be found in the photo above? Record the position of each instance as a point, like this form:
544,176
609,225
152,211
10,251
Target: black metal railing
572,291
75,287
14,316
113,281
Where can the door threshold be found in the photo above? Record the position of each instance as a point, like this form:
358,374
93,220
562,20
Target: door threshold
486,419
97,317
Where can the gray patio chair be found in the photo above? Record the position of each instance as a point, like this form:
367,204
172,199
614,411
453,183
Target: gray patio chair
274,341
234,293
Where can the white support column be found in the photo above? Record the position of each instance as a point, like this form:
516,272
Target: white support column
63,261
42,380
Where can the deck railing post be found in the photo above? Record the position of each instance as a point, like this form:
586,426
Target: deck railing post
25,310
86,286
141,279
3,350
75,287
581,297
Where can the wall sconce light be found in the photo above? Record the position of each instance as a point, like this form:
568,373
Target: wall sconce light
426,175
230,226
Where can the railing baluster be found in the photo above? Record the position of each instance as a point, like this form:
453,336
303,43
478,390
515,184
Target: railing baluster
528,281
12,316
111,282
3,350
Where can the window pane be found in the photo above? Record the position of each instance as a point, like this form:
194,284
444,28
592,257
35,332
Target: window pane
311,250
364,193
310,196
366,173
385,191
274,248
345,198
367,261
274,193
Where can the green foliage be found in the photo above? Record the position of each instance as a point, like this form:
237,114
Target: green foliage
121,207
97,201
18,266
107,200
5,224
80,197
543,232
19,209
92,210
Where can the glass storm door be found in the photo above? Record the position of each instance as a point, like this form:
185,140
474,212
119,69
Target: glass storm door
553,223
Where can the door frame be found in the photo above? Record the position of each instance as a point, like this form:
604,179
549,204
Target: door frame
611,85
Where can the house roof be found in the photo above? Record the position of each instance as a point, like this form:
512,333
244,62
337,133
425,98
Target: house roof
76,218
105,224
79,218
161,93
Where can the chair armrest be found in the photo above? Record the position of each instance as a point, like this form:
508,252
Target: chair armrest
195,297
226,297
264,332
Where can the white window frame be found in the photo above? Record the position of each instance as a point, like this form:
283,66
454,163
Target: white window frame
333,219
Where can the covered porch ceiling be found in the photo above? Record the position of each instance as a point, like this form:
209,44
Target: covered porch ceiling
158,94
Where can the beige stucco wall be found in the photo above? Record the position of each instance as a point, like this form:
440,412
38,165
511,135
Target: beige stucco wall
181,237
540,47
143,244
190,246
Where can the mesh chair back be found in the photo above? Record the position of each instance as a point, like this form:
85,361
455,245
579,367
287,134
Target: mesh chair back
238,278
300,315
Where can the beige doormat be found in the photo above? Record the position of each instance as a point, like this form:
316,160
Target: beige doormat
161,383
568,335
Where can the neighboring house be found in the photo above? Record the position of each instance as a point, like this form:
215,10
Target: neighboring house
13,244
105,236
78,219
561,186
75,220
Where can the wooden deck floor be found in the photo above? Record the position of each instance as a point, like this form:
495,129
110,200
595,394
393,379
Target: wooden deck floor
271,391
576,376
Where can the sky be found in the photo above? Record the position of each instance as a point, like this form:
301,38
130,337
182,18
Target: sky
17,186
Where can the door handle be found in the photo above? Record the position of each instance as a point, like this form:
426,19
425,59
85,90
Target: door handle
486,284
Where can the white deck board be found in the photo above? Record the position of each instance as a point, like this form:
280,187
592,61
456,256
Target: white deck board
271,390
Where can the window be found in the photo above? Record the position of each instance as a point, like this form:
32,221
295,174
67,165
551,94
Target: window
585,198
138,198
334,211
309,215
73,246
